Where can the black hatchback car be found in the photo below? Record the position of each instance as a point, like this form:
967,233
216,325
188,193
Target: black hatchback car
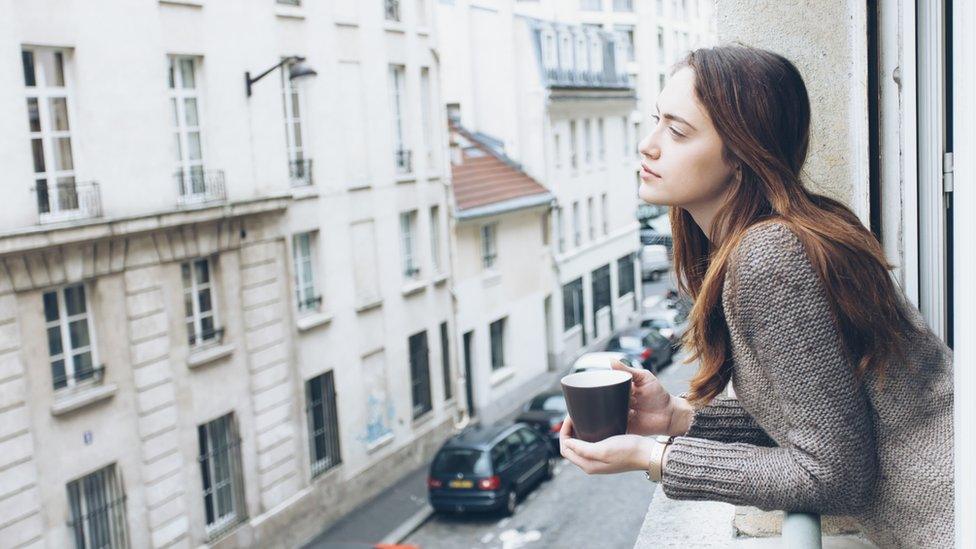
644,345
487,468
546,412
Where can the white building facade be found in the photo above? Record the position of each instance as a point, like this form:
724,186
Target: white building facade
225,310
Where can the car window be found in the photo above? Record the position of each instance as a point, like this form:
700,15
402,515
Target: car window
651,338
529,436
462,460
515,444
655,323
550,403
629,342
500,455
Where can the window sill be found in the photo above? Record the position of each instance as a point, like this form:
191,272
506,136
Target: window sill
423,418
441,278
501,375
368,304
379,443
394,26
304,191
491,278
187,3
363,186
80,398
413,287
424,30
405,178
206,355
312,320
290,12
346,23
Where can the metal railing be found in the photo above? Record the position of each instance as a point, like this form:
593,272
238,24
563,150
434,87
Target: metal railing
802,531
67,200
403,160
95,374
207,336
310,304
571,78
300,172
97,504
199,186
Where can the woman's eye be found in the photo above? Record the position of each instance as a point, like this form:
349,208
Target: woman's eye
675,132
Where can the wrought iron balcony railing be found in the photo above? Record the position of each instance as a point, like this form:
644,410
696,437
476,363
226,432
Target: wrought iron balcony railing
199,186
404,161
568,78
300,172
67,200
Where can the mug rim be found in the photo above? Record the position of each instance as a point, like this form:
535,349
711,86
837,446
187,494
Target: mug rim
567,380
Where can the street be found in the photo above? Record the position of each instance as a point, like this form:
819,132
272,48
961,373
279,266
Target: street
571,510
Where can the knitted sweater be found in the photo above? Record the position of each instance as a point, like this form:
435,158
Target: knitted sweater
803,434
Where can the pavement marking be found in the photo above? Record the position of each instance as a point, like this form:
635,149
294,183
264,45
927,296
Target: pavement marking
513,539
408,526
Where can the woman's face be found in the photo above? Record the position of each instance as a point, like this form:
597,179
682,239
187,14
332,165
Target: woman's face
681,159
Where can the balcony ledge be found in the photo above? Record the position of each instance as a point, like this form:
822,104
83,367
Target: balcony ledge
312,320
80,398
206,355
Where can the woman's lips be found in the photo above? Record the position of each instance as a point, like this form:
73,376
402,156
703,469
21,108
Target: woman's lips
647,173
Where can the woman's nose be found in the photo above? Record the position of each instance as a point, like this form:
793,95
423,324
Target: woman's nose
648,147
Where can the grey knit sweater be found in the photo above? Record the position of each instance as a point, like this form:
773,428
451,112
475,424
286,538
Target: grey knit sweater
803,434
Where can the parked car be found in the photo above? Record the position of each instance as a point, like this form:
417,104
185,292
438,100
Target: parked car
545,413
643,345
654,262
596,361
670,323
487,468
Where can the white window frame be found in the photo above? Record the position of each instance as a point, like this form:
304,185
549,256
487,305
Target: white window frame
295,141
557,151
489,246
426,120
573,153
408,240
605,211
587,142
625,132
577,232
194,290
435,239
110,511
591,220
601,136
68,352
59,183
498,361
235,478
397,83
189,171
307,299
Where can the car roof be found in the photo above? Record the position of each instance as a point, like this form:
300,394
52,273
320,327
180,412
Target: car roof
481,437
598,360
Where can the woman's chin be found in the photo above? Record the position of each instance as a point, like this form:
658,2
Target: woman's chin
651,195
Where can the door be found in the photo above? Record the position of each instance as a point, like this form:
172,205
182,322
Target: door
468,374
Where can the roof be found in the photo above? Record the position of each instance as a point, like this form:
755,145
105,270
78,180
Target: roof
478,436
486,182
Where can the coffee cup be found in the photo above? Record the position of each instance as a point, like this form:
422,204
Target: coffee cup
597,401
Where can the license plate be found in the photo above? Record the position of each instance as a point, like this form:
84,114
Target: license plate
461,484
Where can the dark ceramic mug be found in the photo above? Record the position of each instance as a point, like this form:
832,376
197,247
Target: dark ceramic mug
597,401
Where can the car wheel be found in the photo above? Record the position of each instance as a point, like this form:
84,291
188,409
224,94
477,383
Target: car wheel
511,501
550,465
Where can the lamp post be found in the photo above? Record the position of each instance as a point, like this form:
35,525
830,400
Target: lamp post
297,68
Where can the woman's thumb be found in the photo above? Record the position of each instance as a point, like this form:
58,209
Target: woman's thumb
639,374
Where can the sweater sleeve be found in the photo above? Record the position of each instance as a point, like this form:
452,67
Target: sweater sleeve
780,318
723,419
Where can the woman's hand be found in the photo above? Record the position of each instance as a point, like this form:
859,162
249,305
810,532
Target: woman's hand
653,411
616,454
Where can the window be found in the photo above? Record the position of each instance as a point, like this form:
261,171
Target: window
573,304
408,234
419,374
496,332
625,275
661,54
551,56
69,337
626,138
290,2
97,504
199,302
299,167
557,151
561,229
305,296
425,113
435,238
446,362
187,137
601,288
636,142
626,33
323,423
623,5
220,470
392,9
50,133
601,137
489,250
605,214
591,221
573,162
587,142
662,80
401,155
591,5
577,235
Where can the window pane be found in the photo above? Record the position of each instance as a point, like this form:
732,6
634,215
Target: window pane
78,331
188,303
186,74
62,154
170,74
58,73
54,347
191,333
298,133
190,112
294,105
27,57
176,147
74,298
59,113
203,271
207,327
205,305
57,374
83,366
176,114
50,306
37,148
193,146
33,115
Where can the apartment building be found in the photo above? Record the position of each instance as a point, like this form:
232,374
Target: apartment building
224,269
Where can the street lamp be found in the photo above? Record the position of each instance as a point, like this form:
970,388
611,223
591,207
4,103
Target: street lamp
297,68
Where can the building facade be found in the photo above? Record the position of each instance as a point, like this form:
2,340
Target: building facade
226,311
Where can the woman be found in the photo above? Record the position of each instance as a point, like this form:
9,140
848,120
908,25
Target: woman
843,396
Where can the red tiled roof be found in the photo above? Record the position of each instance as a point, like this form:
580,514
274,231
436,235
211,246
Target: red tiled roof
482,178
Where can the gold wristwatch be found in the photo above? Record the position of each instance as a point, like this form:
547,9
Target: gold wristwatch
655,467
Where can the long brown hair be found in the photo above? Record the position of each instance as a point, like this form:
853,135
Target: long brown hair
759,105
